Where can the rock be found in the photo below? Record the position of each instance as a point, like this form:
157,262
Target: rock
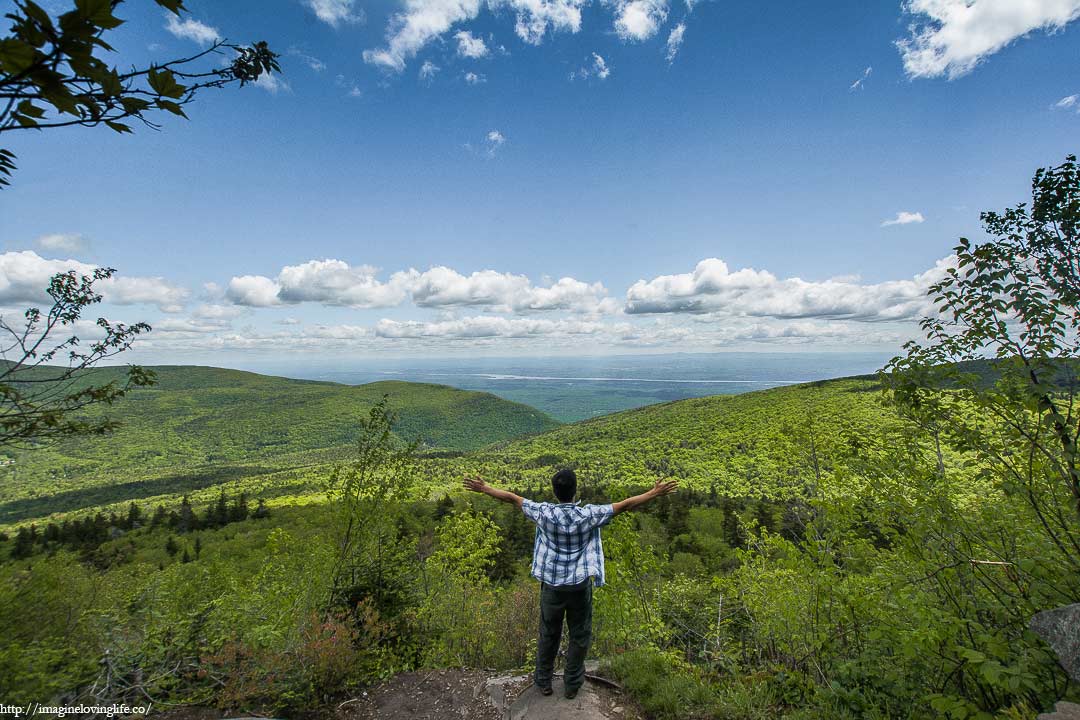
532,705
1060,628
1063,711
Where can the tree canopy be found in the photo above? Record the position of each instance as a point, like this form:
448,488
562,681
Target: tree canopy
53,73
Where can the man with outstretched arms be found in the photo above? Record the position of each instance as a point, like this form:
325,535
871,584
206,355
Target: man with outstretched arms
568,560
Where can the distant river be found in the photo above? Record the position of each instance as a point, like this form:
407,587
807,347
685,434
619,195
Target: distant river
574,388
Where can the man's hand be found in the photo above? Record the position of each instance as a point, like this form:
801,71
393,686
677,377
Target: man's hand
475,483
661,488
664,487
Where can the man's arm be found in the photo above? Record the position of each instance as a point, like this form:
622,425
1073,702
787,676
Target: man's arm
662,487
476,484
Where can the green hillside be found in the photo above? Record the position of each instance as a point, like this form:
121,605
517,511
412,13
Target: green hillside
199,425
807,513
759,443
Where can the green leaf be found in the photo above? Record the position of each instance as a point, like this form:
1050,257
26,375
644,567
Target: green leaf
163,82
172,107
118,127
30,109
16,56
99,12
173,6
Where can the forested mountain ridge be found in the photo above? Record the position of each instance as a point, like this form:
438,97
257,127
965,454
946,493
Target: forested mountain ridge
767,443
204,417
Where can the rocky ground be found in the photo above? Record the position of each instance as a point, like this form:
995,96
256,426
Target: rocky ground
471,694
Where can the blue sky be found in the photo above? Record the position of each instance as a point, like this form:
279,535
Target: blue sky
571,178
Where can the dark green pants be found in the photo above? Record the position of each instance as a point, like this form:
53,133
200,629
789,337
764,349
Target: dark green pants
575,603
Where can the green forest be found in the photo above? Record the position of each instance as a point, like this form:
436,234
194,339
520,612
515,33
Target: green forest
827,556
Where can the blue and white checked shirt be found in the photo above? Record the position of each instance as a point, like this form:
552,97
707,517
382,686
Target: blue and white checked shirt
567,548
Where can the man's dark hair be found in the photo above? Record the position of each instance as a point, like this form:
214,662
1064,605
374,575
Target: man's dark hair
564,484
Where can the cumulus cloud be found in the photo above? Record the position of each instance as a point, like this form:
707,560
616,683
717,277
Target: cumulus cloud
253,291
858,84
1069,102
442,287
474,79
62,243
470,46
712,288
425,20
191,29
335,282
639,20
951,37
336,12
904,218
24,278
330,282
675,41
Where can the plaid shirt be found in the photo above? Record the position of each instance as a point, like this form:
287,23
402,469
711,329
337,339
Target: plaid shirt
567,548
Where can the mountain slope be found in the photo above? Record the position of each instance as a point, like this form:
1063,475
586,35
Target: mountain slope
761,442
196,417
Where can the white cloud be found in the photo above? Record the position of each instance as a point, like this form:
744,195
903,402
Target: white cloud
253,291
442,287
422,22
425,20
951,37
216,311
1069,102
335,12
485,326
158,291
858,84
904,218
474,79
25,276
310,60
330,282
495,140
335,282
711,288
600,67
639,19
272,83
675,41
596,67
535,17
428,71
62,242
470,46
191,29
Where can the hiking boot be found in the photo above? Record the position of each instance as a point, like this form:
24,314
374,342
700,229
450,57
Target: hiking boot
571,693
544,690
